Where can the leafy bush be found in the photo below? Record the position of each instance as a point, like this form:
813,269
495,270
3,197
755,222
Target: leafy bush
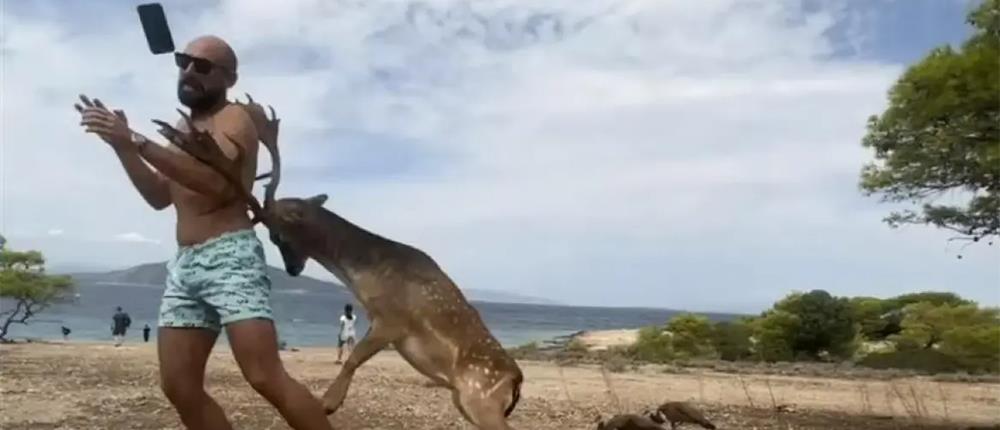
653,345
731,340
825,324
775,334
617,363
691,335
576,346
976,348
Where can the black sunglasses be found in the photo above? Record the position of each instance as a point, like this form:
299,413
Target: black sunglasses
201,65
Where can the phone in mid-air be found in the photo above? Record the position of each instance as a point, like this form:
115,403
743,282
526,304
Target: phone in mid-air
154,25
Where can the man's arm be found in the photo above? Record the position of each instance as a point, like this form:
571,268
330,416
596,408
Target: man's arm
152,185
194,174
113,129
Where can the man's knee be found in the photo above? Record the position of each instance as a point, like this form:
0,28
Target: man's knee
182,392
265,379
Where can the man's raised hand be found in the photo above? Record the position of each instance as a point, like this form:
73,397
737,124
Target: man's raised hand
112,127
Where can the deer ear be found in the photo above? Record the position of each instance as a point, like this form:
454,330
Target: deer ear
317,200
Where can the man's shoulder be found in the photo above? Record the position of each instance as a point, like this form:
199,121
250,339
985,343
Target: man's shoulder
235,111
234,120
235,114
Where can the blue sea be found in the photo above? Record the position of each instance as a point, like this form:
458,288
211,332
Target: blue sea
311,319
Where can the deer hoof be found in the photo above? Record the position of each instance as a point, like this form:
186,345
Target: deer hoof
334,397
329,408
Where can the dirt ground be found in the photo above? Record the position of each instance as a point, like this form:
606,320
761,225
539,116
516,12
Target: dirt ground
96,386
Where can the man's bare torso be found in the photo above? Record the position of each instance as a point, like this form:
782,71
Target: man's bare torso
194,225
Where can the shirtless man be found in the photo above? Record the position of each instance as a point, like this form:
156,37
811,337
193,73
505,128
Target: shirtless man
217,278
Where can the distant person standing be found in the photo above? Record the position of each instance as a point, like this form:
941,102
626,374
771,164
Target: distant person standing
66,331
145,333
347,334
120,322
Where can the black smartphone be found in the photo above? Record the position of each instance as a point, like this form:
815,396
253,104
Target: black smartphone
154,24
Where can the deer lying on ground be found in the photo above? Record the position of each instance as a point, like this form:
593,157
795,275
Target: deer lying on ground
677,413
411,303
628,422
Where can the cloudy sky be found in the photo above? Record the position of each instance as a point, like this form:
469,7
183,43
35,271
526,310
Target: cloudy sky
700,155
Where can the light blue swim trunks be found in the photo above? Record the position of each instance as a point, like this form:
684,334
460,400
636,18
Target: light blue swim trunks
217,282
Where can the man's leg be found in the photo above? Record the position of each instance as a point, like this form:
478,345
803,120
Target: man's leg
183,353
238,289
255,346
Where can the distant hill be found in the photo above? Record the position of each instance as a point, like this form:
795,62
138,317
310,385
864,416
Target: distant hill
153,274
494,296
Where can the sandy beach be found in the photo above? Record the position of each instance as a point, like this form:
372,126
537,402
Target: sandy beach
98,386
599,340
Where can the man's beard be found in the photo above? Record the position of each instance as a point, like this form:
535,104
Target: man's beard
197,98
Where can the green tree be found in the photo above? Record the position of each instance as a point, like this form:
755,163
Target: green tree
925,325
936,298
731,340
775,333
976,348
941,134
891,319
825,323
870,313
691,335
27,288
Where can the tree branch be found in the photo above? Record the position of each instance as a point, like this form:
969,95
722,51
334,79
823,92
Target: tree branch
10,320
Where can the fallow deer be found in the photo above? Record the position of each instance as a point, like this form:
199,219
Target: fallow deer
410,301
628,422
677,413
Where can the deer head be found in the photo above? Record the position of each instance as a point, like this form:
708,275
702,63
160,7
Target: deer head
284,218
655,415
290,232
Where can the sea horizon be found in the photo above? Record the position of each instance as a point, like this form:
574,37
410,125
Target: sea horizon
310,318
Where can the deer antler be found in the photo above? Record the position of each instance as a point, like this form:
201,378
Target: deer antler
267,132
202,146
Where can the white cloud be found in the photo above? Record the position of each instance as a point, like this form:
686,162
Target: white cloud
135,237
659,149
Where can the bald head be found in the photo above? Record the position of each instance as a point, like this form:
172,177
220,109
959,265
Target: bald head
207,70
214,49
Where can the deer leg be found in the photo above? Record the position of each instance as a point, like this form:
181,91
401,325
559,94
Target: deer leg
482,405
483,412
377,338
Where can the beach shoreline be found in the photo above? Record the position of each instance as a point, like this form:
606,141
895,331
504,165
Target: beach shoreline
81,384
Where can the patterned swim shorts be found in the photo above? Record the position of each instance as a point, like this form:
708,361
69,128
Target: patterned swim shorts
217,282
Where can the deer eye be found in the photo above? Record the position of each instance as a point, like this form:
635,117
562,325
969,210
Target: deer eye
291,216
